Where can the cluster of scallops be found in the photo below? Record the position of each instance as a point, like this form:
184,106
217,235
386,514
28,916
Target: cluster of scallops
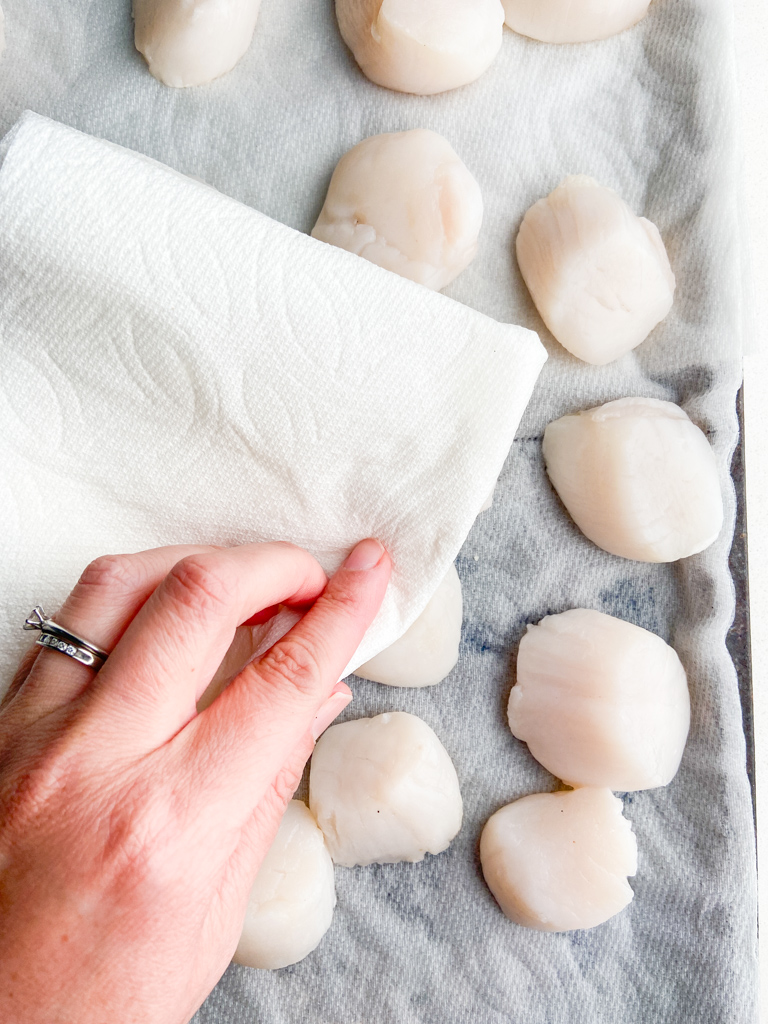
601,703
415,46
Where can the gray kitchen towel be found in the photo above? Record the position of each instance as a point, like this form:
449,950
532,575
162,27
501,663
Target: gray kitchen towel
648,113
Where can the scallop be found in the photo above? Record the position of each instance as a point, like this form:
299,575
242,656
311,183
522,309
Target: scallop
422,46
600,702
425,653
291,903
599,275
566,21
191,42
560,861
638,478
406,202
384,790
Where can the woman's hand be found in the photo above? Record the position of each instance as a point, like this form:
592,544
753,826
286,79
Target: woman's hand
131,827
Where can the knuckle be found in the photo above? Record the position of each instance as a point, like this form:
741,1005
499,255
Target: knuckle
140,833
340,602
291,661
285,545
32,783
285,784
111,572
196,586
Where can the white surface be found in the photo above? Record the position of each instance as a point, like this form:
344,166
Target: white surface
752,61
188,309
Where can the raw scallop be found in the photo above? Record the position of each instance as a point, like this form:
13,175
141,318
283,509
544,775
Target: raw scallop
572,21
384,790
191,42
638,478
559,861
426,652
599,275
600,702
422,46
405,201
291,903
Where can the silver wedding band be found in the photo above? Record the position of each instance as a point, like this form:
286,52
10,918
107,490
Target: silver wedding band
56,638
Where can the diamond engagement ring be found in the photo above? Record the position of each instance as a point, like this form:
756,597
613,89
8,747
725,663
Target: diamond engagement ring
56,638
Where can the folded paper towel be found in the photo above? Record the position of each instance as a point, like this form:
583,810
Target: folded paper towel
179,368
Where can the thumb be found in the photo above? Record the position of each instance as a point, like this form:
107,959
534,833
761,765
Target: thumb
249,731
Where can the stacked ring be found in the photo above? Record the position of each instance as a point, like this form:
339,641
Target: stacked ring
57,638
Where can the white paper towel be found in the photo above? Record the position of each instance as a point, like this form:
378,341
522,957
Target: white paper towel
180,368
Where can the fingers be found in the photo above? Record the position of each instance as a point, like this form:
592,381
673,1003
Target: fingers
21,674
240,741
174,646
107,596
251,641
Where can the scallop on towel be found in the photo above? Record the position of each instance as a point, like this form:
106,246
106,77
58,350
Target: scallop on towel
638,478
384,790
405,201
422,46
572,21
559,861
599,275
291,903
429,649
600,701
191,42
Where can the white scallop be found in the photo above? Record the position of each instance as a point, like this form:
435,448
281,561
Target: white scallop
290,907
600,702
191,42
599,275
405,201
422,46
638,478
429,649
572,21
384,790
559,861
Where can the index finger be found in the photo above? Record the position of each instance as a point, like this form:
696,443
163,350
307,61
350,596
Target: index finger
268,710
170,652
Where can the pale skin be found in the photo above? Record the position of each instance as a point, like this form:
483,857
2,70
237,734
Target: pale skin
132,827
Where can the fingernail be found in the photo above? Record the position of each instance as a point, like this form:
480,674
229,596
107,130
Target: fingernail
330,710
365,555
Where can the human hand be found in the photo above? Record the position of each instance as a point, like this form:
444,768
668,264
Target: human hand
131,827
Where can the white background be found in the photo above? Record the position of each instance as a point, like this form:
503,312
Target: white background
752,60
